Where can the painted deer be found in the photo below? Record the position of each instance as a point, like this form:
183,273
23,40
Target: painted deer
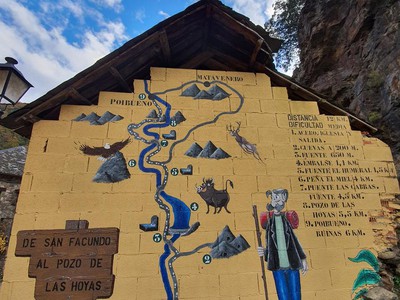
212,197
247,147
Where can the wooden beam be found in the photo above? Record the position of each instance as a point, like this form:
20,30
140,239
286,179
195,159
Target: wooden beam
117,75
197,60
31,118
166,50
50,102
256,50
230,60
206,29
247,32
214,64
73,93
54,112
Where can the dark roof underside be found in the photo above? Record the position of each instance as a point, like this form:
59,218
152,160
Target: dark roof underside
207,35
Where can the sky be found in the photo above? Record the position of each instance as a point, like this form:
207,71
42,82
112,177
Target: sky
53,40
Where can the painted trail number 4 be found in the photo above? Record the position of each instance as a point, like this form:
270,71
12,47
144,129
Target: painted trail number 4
194,206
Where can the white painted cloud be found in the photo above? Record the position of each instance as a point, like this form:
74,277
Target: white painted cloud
259,11
164,14
140,15
45,57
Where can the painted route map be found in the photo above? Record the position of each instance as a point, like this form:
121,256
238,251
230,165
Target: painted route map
180,211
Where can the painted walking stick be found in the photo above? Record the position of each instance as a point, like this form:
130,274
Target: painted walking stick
255,215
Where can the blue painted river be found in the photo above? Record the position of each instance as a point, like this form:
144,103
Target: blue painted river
180,210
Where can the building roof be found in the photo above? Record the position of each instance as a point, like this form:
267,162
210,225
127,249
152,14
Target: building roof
12,161
207,35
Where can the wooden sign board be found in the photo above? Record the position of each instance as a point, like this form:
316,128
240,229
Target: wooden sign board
70,263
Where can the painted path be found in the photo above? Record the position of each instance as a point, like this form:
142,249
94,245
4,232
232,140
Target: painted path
180,210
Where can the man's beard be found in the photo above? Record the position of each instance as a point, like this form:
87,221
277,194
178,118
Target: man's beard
278,207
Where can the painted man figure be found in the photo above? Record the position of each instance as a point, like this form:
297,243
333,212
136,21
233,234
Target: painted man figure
283,254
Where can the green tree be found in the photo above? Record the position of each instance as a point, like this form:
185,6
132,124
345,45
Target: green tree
8,138
284,25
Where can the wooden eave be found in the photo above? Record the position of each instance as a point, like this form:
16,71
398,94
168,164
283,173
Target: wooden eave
207,35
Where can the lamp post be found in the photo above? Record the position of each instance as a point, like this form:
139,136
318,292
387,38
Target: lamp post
13,85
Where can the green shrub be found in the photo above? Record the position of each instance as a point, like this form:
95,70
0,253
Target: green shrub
374,116
375,80
396,281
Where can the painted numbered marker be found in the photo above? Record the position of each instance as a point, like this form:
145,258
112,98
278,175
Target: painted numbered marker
132,163
207,259
174,171
173,123
142,96
194,206
157,238
164,143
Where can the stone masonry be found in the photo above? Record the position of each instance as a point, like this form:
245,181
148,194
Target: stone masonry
340,183
11,168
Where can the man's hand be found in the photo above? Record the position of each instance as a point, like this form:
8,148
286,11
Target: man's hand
304,266
260,251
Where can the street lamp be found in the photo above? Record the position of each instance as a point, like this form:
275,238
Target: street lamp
13,85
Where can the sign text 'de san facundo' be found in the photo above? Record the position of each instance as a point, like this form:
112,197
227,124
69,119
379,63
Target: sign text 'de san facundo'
75,263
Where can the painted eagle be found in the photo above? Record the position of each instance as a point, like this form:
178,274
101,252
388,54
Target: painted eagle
106,151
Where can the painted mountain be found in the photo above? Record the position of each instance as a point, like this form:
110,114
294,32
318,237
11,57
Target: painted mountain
152,114
112,170
217,93
214,93
194,150
227,245
178,117
191,91
209,151
95,119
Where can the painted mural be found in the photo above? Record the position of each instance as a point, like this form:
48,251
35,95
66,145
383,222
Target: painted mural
181,213
178,167
213,197
95,119
247,147
114,168
283,253
367,277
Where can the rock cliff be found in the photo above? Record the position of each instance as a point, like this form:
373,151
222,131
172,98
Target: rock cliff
350,52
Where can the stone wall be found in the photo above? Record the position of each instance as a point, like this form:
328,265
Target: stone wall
9,190
190,131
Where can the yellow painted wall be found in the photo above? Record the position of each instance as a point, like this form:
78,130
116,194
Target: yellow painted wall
332,166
